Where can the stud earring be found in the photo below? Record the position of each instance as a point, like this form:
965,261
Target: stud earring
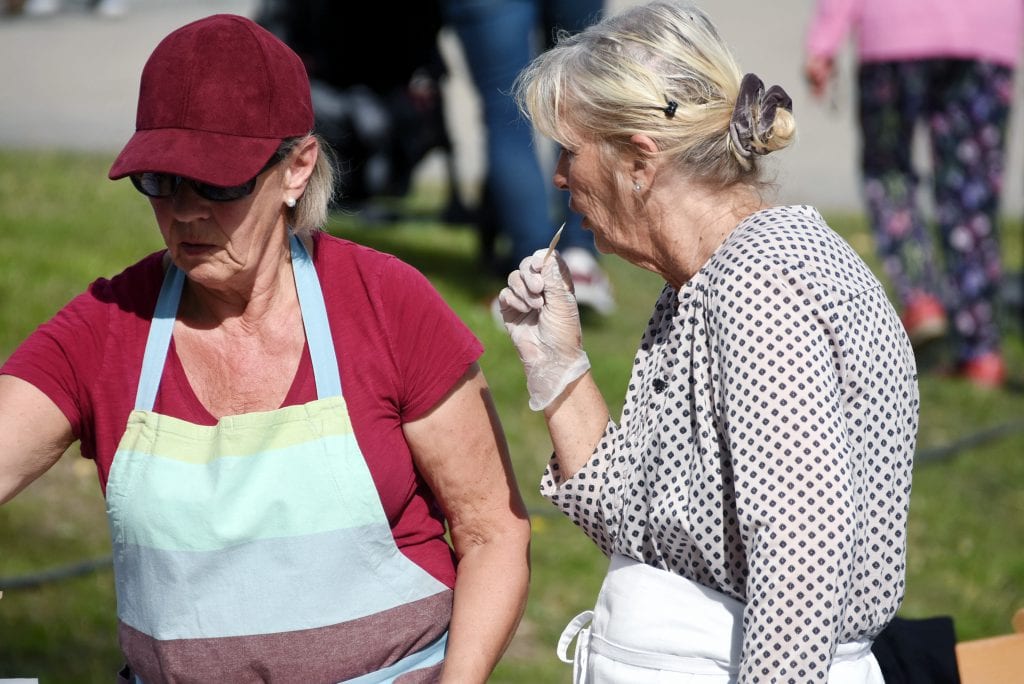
290,202
636,187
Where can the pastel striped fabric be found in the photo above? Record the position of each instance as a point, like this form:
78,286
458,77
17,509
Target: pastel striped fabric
257,549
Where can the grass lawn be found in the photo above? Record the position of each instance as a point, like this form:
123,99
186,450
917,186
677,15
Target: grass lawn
62,224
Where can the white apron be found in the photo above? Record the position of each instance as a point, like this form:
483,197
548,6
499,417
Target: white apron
656,627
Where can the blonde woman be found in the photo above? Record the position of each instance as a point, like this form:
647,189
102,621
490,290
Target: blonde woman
753,497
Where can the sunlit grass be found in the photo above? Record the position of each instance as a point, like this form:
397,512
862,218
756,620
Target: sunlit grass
62,224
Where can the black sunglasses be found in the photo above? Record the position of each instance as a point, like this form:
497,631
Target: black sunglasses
164,185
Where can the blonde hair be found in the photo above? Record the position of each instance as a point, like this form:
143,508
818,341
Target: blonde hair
312,209
621,76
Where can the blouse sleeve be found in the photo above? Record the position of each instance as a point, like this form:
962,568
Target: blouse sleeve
598,497
592,498
795,469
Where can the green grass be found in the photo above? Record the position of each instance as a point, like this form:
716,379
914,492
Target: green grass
62,224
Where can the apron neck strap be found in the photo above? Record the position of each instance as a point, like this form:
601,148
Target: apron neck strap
159,340
314,322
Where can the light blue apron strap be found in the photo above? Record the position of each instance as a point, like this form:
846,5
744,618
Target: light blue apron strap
159,340
314,318
431,655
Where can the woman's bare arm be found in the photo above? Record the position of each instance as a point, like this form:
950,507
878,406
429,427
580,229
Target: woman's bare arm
576,421
33,435
460,449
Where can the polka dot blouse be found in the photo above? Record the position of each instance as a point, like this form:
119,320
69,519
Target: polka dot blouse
765,445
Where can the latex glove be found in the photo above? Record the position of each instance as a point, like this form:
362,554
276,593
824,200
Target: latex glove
541,315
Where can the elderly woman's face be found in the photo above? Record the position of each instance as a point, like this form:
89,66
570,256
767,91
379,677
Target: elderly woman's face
216,243
593,194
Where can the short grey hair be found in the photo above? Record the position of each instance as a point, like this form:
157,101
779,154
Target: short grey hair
312,209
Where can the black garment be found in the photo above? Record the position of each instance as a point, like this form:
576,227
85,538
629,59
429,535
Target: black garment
375,71
918,651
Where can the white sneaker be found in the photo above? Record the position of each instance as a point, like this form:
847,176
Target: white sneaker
591,284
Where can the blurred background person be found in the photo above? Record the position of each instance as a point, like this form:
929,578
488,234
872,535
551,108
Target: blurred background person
304,473
753,496
519,213
949,65
381,116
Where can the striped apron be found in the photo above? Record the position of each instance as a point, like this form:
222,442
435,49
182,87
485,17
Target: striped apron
656,627
258,549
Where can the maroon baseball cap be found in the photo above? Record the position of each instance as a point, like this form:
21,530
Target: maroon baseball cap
216,99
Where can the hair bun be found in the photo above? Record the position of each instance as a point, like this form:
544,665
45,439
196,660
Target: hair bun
753,116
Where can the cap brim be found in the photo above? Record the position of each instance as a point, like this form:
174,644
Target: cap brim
213,158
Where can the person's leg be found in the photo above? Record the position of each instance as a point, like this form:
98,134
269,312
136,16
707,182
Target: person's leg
572,16
497,38
569,15
577,245
969,109
891,101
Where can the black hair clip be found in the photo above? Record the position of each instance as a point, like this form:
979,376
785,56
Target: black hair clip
669,110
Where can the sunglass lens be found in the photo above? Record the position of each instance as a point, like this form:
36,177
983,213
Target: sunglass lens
154,184
217,193
163,185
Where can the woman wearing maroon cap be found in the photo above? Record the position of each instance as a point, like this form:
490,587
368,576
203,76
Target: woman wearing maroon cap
285,424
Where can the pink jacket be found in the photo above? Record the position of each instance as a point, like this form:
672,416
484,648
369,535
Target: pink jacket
889,30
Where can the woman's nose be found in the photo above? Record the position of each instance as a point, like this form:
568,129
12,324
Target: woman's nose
187,203
561,175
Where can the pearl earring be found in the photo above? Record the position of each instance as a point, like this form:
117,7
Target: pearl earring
636,187
290,202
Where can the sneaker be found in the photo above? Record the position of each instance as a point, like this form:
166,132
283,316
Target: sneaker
987,371
590,283
924,319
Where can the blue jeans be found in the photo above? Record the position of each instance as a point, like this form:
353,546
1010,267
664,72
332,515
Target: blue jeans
499,38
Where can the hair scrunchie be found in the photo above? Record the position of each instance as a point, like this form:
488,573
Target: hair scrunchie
754,114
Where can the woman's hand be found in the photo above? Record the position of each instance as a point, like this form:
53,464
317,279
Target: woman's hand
541,316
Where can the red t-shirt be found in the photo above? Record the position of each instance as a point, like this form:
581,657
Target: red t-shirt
400,349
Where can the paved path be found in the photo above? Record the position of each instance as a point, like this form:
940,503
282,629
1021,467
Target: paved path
71,80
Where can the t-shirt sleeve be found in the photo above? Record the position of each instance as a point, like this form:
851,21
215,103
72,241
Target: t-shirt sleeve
431,346
86,358
59,355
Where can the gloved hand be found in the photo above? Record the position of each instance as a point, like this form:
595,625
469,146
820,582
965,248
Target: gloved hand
541,315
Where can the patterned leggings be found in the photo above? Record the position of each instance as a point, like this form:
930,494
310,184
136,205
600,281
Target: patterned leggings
965,105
